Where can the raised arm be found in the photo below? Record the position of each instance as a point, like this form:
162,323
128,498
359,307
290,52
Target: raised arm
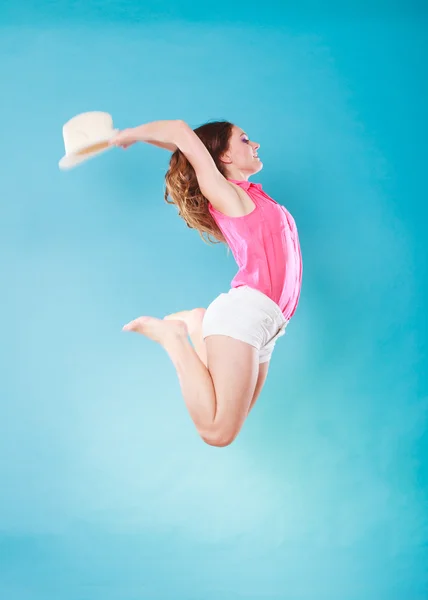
164,145
177,134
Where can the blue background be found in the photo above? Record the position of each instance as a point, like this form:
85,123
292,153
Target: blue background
106,491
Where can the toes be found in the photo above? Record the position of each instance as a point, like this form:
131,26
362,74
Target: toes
133,325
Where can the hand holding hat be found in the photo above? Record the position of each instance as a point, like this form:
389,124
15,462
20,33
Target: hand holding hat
125,138
85,136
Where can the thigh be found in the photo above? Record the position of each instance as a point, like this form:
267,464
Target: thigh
263,371
234,369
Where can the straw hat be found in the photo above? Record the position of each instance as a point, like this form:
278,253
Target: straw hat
85,136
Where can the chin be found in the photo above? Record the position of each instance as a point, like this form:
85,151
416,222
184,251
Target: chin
254,168
258,167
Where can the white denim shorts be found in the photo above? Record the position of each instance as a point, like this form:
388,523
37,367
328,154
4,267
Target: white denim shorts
248,315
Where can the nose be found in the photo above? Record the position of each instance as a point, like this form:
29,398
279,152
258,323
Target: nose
256,145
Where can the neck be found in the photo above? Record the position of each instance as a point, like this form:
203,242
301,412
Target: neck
238,175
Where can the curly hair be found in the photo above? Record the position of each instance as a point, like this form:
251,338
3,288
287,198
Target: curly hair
182,184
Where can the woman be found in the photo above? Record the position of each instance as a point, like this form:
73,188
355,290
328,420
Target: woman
222,375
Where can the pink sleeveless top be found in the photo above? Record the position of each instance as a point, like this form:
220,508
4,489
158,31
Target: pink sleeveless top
266,248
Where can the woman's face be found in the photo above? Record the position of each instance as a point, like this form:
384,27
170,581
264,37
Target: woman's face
242,155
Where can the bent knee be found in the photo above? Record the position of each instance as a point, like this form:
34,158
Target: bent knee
220,438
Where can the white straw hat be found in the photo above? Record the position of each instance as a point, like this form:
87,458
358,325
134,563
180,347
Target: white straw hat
86,135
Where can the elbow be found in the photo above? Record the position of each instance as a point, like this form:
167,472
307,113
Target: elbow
180,125
181,132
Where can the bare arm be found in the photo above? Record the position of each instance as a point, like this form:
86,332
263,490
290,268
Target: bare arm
165,146
178,134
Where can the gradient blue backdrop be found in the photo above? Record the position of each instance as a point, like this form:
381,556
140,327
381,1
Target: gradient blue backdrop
106,491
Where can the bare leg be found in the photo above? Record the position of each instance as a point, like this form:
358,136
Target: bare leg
263,371
193,319
218,397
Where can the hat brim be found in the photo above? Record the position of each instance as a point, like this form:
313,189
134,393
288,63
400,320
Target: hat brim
87,152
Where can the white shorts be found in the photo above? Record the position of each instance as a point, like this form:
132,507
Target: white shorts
248,315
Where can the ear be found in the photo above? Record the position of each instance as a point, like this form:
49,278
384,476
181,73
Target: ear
226,158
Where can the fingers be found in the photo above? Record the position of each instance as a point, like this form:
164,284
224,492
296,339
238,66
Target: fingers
123,139
117,140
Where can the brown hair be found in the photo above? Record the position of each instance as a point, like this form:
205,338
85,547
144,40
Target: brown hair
182,184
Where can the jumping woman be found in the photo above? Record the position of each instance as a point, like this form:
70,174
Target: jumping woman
223,371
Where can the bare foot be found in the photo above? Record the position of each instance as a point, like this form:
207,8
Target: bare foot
192,318
158,330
